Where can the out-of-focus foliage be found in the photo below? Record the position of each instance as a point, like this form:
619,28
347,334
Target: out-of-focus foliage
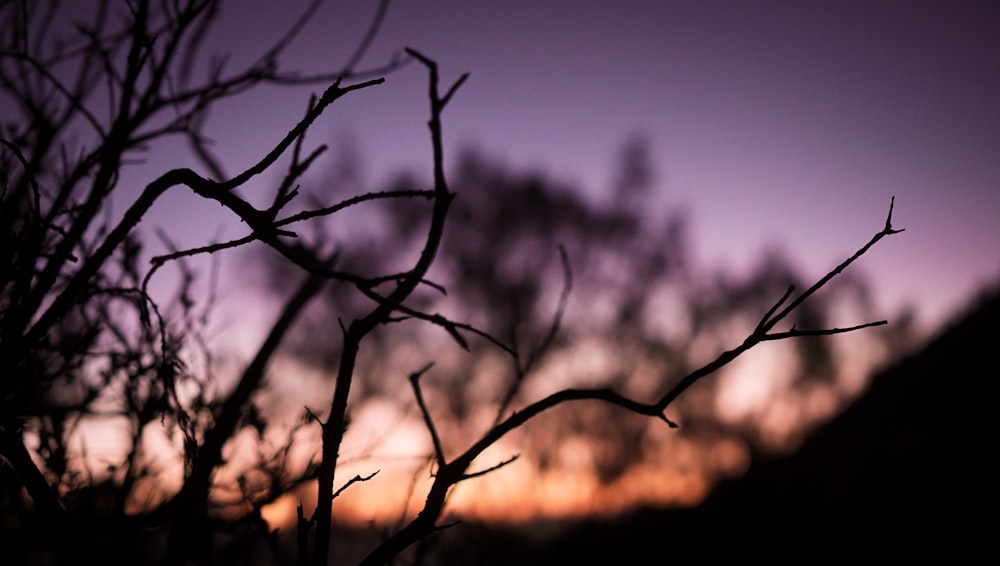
641,311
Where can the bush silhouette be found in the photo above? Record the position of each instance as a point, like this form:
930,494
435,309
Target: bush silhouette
83,337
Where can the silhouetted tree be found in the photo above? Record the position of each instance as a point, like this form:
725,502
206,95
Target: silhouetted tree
83,338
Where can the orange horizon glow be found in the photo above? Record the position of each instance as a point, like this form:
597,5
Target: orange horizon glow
513,495
679,471
771,137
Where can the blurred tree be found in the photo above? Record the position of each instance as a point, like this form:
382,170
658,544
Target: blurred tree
641,306
85,342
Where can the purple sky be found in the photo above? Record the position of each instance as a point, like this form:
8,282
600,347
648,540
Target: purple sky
785,124
772,123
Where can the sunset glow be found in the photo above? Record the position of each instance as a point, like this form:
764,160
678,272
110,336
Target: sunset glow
380,267
515,495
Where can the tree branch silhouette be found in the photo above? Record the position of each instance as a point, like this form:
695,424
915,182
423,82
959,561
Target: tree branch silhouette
82,336
333,428
62,254
450,473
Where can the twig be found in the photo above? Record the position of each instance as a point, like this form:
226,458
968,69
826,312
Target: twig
415,383
491,469
795,333
354,480
383,311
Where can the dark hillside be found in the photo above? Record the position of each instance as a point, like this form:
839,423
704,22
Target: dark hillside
911,469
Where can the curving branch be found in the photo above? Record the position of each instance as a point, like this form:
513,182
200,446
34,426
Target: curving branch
382,313
455,471
428,420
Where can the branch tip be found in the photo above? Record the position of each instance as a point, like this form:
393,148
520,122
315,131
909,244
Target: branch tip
888,219
419,57
454,87
667,420
420,372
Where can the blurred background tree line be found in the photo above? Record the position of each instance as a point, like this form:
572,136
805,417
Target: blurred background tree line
585,293
636,305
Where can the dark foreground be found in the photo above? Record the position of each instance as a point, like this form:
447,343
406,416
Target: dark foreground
908,471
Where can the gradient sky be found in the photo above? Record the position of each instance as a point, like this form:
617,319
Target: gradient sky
784,124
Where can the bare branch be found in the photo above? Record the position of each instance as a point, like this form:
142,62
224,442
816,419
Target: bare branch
450,326
767,316
491,469
329,97
794,333
354,480
454,87
418,394
359,328
455,471
76,266
886,231
347,203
